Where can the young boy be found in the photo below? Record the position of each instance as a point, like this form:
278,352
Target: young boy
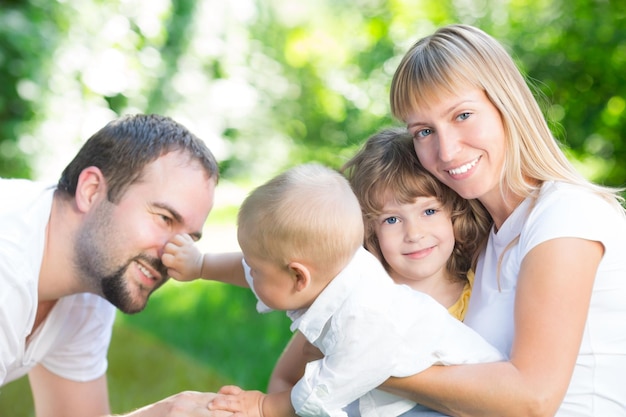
301,235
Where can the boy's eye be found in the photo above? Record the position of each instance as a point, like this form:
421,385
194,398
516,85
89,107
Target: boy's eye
391,220
430,212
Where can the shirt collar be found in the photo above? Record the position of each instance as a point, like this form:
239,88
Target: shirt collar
311,321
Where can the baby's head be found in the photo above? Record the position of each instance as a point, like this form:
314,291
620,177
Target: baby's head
307,217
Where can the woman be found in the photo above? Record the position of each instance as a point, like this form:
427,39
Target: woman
550,285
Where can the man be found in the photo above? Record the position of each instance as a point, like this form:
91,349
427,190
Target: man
70,253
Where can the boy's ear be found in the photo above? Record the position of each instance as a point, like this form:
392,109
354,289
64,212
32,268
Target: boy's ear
91,185
301,275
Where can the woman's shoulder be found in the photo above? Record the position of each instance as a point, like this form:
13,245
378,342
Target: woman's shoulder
557,195
563,209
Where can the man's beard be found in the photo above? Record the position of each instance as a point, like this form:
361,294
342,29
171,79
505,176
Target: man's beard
115,290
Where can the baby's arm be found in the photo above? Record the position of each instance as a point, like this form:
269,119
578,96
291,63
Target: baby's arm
253,403
290,366
185,262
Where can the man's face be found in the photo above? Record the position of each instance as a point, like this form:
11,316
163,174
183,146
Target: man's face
119,246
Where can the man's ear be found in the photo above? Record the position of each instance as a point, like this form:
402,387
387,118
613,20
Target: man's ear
301,275
91,185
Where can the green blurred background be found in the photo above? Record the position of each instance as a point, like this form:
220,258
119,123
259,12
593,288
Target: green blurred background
267,84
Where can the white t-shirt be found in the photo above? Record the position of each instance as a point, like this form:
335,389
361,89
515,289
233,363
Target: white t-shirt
369,329
598,385
73,340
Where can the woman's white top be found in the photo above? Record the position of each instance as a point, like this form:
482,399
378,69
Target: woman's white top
598,386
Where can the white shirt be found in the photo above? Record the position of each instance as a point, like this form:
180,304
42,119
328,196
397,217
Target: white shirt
598,385
369,329
73,340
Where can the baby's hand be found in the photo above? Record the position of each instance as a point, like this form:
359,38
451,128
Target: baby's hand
239,402
182,258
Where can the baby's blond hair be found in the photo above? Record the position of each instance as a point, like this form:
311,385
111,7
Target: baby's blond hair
307,214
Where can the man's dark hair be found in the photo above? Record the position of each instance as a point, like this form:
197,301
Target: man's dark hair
123,147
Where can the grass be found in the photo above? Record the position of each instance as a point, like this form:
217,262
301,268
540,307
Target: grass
217,324
143,370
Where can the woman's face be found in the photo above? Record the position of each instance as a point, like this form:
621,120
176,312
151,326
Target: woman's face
460,139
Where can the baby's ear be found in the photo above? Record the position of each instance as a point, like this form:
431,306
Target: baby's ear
300,274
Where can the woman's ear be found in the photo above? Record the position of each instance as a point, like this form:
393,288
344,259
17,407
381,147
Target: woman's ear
91,185
301,275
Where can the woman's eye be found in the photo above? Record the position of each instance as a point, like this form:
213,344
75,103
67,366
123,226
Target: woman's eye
391,220
422,133
167,220
464,116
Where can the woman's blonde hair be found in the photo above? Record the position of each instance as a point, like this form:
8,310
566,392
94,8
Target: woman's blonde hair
386,166
308,213
458,56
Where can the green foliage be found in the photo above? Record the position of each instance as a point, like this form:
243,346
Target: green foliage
24,28
274,83
217,324
578,59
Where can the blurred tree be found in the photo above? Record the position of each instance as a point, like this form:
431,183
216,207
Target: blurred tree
273,83
575,52
338,63
28,35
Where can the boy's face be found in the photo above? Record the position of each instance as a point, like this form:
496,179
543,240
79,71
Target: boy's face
119,246
415,239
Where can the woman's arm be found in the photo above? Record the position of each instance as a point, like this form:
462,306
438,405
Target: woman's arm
551,305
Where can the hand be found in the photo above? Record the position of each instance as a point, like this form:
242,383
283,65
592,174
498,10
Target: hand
184,404
182,258
239,402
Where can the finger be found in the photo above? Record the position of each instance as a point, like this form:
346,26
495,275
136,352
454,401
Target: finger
179,239
224,403
230,390
183,238
167,258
